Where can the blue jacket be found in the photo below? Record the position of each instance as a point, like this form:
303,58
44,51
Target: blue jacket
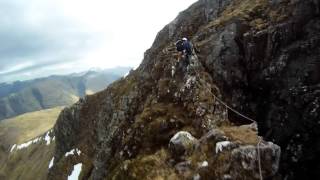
188,47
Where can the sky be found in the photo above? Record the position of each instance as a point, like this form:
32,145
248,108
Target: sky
45,37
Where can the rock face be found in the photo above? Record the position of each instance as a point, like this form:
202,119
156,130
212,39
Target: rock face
246,159
261,57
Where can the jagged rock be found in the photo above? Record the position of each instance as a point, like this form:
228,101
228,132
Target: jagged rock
245,159
182,143
225,145
214,135
271,74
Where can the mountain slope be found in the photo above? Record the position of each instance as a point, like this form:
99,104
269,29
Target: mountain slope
34,158
24,127
258,56
28,160
44,93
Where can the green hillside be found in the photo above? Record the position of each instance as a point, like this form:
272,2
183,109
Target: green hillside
33,95
27,126
25,162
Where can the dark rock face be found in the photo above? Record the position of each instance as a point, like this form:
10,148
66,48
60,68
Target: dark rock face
261,57
273,75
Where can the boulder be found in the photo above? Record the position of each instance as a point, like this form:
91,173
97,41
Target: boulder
182,143
246,159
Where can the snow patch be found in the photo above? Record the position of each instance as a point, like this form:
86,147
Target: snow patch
24,145
47,138
221,145
76,172
51,163
72,152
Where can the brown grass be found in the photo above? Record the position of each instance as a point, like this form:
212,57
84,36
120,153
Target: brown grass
242,134
25,127
28,163
257,13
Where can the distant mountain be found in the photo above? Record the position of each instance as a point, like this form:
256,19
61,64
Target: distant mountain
32,95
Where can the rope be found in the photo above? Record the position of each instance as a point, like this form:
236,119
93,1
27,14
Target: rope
235,111
258,145
246,117
259,160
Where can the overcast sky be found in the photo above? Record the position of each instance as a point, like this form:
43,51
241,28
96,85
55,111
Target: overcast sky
43,37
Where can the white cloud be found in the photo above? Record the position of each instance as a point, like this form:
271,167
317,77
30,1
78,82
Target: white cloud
17,67
79,34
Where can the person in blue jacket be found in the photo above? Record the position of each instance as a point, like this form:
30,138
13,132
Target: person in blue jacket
184,46
187,47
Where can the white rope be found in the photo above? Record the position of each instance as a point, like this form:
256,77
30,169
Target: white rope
246,117
235,111
259,160
258,145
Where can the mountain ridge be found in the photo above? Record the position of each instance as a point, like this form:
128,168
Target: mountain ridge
55,90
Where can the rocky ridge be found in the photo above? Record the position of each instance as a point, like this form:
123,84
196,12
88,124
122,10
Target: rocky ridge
164,121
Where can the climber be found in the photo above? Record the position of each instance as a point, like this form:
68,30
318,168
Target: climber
185,48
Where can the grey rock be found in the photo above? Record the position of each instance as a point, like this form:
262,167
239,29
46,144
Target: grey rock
214,135
183,167
182,143
225,145
245,159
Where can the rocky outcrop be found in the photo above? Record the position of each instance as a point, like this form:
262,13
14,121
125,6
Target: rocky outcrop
259,56
246,159
271,73
182,143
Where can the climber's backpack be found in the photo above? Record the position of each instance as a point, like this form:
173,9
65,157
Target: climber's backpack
179,45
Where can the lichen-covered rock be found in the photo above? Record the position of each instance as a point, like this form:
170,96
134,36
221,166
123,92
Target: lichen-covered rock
182,143
225,145
245,159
